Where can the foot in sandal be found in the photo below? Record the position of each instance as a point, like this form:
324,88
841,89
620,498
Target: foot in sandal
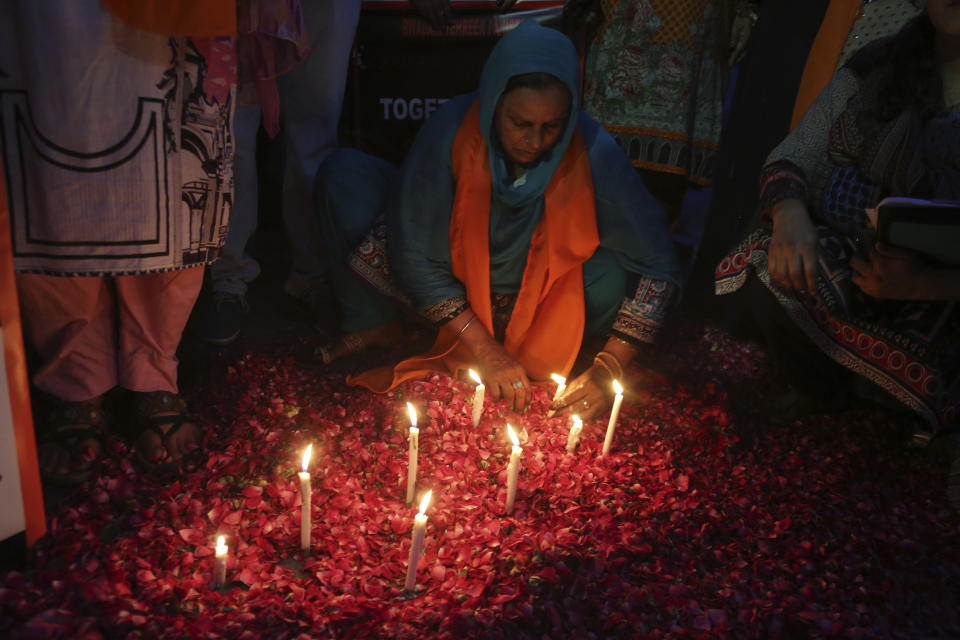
162,430
358,342
69,439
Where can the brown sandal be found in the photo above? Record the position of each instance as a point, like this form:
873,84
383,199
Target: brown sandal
358,342
77,429
162,413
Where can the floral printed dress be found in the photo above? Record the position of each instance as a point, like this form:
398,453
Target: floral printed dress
655,78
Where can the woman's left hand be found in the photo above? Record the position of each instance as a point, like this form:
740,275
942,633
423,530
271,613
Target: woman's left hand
888,272
586,395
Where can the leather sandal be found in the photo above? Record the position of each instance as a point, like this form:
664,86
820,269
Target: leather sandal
76,431
163,413
357,342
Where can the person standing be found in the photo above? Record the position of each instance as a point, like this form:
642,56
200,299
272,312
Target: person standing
310,98
118,150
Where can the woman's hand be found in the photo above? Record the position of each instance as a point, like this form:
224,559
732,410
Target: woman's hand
792,256
588,396
896,274
503,375
591,393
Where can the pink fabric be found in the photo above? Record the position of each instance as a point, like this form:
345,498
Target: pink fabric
94,333
272,41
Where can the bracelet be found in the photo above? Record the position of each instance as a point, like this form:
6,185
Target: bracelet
600,355
464,327
598,360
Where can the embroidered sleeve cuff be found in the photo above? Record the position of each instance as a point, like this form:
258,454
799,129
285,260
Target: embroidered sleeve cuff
641,316
445,311
781,181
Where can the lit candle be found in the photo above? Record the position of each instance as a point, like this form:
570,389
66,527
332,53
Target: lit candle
513,469
561,385
477,397
416,544
574,436
612,425
305,501
220,563
412,456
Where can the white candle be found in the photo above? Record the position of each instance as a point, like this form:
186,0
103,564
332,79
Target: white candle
574,436
612,425
220,563
513,469
561,385
305,501
412,455
478,396
416,543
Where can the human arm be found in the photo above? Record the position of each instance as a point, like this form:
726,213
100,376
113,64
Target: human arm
591,393
887,272
792,254
792,170
499,370
633,229
639,321
418,219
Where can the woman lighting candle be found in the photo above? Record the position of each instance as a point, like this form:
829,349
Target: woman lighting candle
416,543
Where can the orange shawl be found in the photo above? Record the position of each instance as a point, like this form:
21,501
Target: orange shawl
824,53
190,18
546,327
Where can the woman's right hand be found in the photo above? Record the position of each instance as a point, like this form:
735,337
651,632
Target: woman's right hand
501,373
792,255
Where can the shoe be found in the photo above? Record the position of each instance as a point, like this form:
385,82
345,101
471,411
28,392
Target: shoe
358,341
161,429
69,439
221,320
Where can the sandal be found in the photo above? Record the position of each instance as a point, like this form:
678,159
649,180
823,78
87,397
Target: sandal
357,342
73,431
161,414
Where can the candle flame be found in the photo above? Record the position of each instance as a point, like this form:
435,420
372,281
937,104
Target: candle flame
306,456
221,546
513,436
577,422
476,378
559,379
617,389
413,415
425,501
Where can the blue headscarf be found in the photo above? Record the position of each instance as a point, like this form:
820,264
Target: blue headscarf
529,48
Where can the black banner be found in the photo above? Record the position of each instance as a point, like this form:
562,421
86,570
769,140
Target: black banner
403,70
